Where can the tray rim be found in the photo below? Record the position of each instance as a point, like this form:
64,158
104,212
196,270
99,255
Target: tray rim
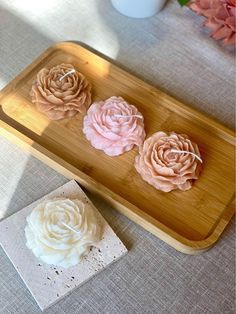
134,213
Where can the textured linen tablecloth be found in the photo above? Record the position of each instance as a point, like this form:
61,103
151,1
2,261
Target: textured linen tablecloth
171,51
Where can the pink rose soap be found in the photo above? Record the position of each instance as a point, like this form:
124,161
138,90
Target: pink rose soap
114,126
169,162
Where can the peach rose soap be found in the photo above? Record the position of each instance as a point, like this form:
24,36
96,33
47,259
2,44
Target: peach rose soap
114,126
169,162
61,92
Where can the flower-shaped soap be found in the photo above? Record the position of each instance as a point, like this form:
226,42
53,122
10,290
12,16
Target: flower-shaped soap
114,126
61,231
169,162
61,92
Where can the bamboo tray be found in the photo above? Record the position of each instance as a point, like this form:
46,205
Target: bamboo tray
189,221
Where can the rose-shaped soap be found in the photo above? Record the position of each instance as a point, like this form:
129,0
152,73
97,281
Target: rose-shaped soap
61,231
169,162
114,126
61,92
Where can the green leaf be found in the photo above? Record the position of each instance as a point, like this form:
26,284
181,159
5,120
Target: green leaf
183,2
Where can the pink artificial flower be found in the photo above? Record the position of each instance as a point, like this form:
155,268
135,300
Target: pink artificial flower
221,18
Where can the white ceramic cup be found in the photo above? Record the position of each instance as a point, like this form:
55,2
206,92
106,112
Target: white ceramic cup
138,8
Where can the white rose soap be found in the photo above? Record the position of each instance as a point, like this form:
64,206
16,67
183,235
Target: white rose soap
61,231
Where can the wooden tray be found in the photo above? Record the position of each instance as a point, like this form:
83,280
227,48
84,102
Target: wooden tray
190,221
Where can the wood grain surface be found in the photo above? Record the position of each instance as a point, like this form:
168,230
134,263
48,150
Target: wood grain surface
189,221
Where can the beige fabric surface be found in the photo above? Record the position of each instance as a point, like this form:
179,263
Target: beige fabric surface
172,52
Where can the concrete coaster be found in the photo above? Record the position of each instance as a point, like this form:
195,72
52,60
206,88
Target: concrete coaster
47,283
